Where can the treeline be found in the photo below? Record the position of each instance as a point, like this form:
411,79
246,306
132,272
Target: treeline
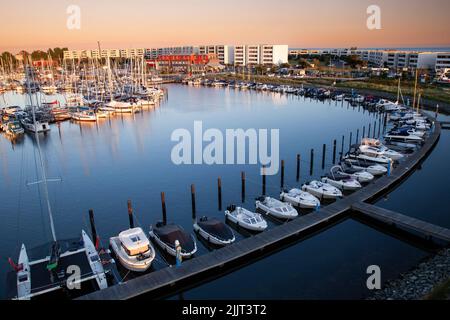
55,54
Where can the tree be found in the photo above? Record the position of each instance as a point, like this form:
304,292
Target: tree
354,61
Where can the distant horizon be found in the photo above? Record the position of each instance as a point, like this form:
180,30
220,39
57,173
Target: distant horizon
410,48
298,23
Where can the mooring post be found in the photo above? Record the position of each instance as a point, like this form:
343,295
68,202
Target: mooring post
364,132
350,141
193,202
163,205
130,214
342,147
374,129
311,167
334,151
282,175
219,192
437,111
264,181
357,135
389,168
324,151
298,167
243,186
93,229
368,134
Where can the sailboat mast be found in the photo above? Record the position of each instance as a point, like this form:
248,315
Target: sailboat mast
41,159
415,89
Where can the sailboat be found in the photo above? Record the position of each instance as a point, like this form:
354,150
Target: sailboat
36,277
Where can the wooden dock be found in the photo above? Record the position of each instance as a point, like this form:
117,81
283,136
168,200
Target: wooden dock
424,229
235,253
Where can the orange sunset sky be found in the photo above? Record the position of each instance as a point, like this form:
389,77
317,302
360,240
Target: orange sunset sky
40,24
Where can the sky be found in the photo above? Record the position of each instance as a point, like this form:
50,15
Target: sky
40,24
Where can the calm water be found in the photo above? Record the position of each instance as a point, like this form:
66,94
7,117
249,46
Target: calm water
103,165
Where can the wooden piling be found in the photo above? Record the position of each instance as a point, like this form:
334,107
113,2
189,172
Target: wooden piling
342,147
130,214
334,151
324,151
374,129
282,175
311,163
350,141
368,134
264,181
243,186
163,205
298,167
219,192
364,132
193,202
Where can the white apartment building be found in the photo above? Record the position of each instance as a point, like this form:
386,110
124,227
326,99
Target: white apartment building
394,59
224,53
260,54
240,58
442,61
104,53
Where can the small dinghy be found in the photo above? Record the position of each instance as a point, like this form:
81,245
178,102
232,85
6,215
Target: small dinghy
374,169
133,249
300,198
166,235
341,181
249,220
322,190
214,231
276,208
360,175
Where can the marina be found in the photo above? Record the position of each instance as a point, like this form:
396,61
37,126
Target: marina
312,220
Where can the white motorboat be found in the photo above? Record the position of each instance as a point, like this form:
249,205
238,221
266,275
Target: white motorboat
86,116
165,235
38,127
300,198
121,107
374,158
133,249
14,128
360,175
322,190
375,152
276,208
374,169
214,231
341,181
402,135
245,218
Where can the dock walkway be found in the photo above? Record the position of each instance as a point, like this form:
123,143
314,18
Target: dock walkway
256,244
425,229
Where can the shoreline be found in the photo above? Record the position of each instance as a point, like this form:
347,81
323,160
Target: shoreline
426,103
429,280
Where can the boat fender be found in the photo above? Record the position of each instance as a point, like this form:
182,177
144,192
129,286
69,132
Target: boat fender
17,268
